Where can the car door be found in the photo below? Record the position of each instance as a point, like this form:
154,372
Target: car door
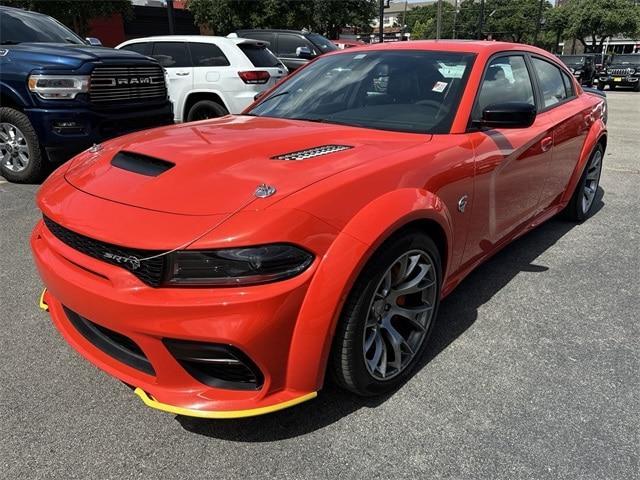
209,66
175,58
287,45
569,124
510,163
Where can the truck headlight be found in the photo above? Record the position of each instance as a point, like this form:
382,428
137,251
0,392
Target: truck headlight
236,266
58,87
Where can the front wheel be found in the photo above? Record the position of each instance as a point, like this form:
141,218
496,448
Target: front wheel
582,202
388,316
600,85
205,109
20,155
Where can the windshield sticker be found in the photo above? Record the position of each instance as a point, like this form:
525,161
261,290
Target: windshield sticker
439,87
359,56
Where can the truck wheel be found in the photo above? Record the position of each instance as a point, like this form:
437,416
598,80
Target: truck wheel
637,87
205,109
600,85
20,155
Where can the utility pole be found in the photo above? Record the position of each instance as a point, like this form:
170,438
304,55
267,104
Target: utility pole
439,20
170,15
381,26
538,22
455,18
480,20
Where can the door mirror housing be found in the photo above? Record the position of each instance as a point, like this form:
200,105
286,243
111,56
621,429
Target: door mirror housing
304,52
508,115
93,41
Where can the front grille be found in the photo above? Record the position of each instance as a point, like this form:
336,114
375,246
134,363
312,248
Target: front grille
149,271
621,71
112,343
126,83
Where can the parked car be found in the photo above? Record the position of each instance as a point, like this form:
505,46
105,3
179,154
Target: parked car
59,95
294,48
623,71
317,232
582,67
211,76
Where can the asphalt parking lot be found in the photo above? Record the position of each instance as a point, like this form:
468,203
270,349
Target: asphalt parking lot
533,372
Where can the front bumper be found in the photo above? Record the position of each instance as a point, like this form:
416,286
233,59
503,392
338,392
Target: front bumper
63,132
258,320
617,80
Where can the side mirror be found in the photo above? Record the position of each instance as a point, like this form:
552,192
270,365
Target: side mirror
93,41
304,52
508,115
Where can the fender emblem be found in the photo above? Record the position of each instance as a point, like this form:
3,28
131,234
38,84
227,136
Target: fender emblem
131,261
462,203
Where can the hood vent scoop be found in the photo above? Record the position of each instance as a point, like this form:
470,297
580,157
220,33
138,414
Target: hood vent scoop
312,152
142,164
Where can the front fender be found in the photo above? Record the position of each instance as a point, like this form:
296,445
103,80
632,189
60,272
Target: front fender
339,269
10,93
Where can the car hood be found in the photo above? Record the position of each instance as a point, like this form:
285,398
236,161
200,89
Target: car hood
66,55
215,166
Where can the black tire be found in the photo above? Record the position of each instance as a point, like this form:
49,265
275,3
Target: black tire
34,169
612,87
576,211
205,109
601,85
348,367
637,87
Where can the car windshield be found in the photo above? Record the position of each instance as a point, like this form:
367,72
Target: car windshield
324,44
17,26
572,59
407,91
628,59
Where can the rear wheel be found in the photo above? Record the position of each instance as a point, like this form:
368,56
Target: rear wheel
205,109
20,155
389,316
581,205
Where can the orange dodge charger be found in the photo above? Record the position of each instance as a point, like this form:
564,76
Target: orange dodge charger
226,267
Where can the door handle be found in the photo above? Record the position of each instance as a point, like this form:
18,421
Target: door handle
546,143
182,74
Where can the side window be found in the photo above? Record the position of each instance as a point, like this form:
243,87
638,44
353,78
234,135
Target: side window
568,84
288,43
505,80
144,48
551,82
207,55
171,54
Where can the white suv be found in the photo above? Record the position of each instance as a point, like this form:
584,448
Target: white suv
211,76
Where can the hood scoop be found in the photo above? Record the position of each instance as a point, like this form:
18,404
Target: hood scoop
142,164
312,152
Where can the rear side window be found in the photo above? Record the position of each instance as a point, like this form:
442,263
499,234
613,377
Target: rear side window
143,48
288,43
506,80
259,56
171,54
551,83
207,55
568,84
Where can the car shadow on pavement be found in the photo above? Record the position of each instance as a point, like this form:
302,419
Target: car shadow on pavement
457,313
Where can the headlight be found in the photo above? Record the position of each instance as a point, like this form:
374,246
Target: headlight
63,87
236,266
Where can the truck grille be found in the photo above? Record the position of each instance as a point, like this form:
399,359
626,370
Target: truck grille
122,84
149,271
621,71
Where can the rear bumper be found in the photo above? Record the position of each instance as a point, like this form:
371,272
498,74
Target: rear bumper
65,132
259,321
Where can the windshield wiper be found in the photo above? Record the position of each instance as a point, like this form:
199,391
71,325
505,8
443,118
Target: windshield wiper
274,96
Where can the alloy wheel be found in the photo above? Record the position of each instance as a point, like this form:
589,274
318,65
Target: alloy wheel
14,150
592,180
399,314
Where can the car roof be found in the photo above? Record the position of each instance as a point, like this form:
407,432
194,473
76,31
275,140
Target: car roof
272,30
197,39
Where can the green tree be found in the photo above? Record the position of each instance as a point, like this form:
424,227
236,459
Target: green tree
593,21
425,19
324,16
75,13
